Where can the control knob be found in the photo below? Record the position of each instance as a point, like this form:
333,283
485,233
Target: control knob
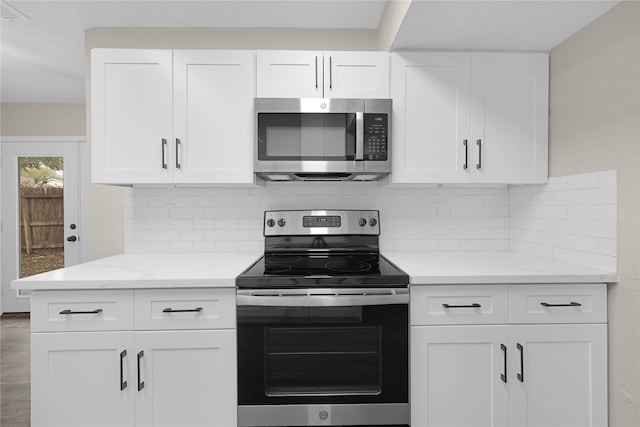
271,222
281,222
373,222
362,222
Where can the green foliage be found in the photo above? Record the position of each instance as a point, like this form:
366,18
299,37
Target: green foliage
54,163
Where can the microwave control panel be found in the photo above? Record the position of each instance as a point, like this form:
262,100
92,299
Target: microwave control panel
375,136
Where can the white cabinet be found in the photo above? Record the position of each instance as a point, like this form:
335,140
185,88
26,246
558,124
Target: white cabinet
546,365
162,116
470,117
141,375
312,74
189,378
456,376
75,379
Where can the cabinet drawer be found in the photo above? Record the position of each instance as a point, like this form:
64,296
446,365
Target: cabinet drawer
185,309
579,303
77,311
459,304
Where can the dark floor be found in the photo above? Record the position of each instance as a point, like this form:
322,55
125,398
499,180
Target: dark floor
15,358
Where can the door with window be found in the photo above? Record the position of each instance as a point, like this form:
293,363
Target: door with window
40,211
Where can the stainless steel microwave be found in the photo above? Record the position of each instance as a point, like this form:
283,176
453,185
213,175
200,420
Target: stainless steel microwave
322,139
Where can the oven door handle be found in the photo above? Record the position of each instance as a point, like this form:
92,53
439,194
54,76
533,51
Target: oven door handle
322,300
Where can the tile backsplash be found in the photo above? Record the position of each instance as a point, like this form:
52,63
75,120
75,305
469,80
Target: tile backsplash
169,219
571,219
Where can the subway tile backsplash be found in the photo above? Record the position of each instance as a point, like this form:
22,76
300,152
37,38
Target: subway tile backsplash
169,219
571,219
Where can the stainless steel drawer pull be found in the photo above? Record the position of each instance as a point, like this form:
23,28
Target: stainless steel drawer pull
474,305
140,382
466,154
521,374
178,165
192,310
96,311
571,304
164,162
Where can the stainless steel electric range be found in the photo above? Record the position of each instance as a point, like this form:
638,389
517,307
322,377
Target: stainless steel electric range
323,325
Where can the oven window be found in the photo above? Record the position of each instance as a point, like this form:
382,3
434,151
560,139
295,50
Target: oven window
310,136
323,361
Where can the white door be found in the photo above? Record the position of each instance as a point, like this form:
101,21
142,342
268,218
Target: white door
356,74
558,375
459,376
431,123
510,94
189,378
213,116
41,228
290,74
131,116
78,379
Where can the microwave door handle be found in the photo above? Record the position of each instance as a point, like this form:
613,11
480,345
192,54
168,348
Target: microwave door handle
359,136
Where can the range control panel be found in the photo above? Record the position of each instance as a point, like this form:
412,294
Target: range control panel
321,222
376,129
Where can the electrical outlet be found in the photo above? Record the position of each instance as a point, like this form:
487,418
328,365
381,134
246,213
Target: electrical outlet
170,211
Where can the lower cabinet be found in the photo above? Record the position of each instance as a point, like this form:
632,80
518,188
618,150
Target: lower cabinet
179,378
509,374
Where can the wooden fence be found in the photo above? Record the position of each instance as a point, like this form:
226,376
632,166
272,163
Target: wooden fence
41,218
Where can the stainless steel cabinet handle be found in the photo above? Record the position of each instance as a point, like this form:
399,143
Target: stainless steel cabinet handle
123,383
503,376
571,304
474,305
140,383
193,310
316,72
178,166
96,311
466,154
479,144
521,374
164,163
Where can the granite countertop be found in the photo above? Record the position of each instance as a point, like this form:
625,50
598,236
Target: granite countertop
136,271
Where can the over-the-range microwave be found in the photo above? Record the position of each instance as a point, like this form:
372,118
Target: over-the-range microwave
322,139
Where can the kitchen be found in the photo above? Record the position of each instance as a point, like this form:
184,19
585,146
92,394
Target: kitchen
449,215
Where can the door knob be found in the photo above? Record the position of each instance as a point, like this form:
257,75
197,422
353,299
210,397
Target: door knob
72,239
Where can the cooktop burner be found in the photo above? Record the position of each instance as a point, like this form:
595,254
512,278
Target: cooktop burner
322,248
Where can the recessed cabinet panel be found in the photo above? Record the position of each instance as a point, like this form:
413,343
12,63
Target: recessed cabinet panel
213,115
564,375
130,115
290,74
458,379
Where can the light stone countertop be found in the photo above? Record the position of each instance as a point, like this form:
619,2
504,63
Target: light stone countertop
503,267
139,271
134,271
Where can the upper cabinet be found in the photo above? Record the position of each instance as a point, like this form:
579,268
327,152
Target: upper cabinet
470,117
163,116
311,74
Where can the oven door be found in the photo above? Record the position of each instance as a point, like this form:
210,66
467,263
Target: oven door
323,357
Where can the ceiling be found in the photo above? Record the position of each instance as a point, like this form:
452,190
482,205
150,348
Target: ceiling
42,42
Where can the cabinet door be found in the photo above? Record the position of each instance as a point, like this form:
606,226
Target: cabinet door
431,111
356,75
564,375
510,95
456,376
213,116
290,74
76,379
189,378
131,116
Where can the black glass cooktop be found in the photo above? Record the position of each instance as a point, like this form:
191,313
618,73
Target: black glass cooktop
315,270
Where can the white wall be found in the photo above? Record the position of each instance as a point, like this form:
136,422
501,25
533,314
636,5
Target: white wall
595,125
